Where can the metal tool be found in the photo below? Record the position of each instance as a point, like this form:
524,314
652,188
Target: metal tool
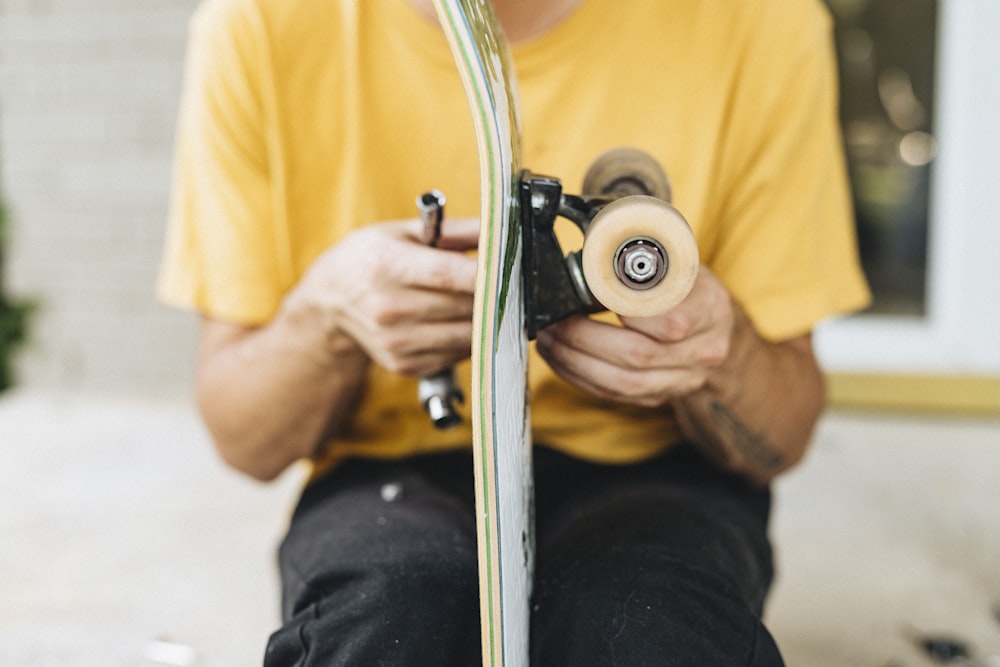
437,393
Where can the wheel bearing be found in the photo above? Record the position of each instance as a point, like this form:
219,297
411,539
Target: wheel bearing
641,263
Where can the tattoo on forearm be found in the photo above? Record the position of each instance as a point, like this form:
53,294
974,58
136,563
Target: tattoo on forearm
753,445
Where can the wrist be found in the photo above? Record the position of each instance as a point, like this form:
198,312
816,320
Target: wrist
316,328
726,362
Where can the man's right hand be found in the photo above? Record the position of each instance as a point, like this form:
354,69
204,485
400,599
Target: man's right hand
273,394
408,305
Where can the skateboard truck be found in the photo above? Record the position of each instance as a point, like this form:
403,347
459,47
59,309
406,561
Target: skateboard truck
633,238
554,286
437,393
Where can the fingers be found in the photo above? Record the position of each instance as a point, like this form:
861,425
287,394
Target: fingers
626,348
628,365
390,255
459,234
429,268
707,307
396,308
423,349
421,333
598,360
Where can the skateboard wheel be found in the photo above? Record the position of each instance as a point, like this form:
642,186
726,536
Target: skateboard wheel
626,171
639,256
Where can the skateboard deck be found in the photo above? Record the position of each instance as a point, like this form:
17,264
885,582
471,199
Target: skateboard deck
499,407
638,258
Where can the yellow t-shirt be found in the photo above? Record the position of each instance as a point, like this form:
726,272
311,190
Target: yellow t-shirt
302,121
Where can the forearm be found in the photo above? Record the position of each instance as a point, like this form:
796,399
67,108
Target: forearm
276,394
756,413
273,395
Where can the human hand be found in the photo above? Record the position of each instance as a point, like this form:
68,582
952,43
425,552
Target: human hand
648,361
407,305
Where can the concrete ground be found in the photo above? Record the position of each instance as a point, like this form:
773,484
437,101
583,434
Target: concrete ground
127,543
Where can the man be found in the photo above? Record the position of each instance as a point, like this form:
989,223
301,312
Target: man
308,128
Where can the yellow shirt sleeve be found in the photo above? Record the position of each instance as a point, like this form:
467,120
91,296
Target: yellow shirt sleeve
224,252
786,244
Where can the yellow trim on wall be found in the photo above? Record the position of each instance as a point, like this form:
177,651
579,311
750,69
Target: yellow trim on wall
960,394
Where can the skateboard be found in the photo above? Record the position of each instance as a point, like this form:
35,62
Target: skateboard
638,258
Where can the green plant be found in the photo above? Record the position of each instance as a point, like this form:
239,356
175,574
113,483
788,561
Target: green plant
14,316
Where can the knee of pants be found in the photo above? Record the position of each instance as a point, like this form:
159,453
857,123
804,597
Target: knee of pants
420,614
383,583
618,613
396,550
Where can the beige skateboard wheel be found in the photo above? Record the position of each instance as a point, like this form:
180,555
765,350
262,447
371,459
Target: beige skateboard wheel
626,171
639,256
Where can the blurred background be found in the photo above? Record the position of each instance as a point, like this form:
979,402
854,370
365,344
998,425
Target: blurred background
126,542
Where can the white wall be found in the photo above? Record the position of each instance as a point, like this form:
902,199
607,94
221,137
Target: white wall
88,99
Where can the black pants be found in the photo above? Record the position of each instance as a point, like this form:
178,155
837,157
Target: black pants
663,563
